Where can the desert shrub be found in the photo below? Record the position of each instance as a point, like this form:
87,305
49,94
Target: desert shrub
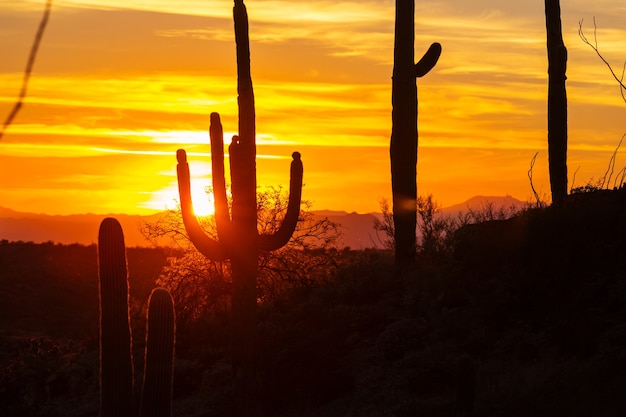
47,377
201,288
435,231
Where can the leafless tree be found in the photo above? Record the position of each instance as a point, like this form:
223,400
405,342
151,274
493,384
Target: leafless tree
385,226
200,286
605,181
538,200
433,229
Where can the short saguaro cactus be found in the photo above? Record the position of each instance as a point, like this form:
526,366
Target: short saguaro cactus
116,361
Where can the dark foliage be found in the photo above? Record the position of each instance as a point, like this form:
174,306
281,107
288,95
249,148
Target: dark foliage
49,324
524,317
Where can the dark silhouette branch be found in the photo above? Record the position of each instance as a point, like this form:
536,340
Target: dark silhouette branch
530,177
594,46
611,167
29,68
620,178
574,179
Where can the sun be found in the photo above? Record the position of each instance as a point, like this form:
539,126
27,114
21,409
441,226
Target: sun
202,201
167,199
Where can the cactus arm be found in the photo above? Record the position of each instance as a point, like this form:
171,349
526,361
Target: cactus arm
205,245
428,61
222,216
288,225
116,365
156,396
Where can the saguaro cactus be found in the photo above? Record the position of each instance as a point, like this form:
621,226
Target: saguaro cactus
156,394
116,362
238,237
557,102
404,132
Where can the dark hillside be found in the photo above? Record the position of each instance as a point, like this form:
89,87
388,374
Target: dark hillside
524,317
546,292
557,260
52,290
49,324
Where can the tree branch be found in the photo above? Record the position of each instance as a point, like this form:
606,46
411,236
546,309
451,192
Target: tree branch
530,177
29,68
594,46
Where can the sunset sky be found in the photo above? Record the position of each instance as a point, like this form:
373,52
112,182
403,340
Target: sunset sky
118,86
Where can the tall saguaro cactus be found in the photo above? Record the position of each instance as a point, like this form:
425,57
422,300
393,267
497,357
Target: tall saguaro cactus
557,102
238,237
116,361
404,132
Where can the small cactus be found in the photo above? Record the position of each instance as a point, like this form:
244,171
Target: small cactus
156,395
116,362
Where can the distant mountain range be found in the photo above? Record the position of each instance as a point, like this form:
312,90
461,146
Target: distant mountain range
357,229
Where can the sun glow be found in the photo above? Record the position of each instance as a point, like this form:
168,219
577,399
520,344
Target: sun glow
202,201
168,199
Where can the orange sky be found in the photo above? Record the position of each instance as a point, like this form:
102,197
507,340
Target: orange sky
118,86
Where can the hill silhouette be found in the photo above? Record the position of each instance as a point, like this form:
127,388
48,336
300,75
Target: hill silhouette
357,229
66,229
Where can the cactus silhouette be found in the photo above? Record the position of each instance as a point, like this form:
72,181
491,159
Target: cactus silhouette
237,236
116,362
557,102
156,394
404,132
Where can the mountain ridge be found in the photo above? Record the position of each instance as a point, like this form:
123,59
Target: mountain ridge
356,228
